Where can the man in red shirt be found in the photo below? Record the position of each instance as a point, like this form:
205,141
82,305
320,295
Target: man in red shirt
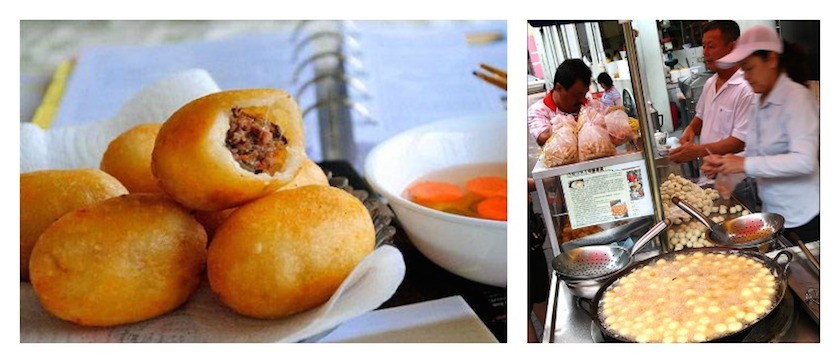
571,83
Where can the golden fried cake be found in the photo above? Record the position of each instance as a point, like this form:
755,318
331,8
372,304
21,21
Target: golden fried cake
123,260
289,251
47,195
129,158
310,174
229,148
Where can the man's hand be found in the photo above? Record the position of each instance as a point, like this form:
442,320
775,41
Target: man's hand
725,164
685,153
710,165
543,137
687,137
731,164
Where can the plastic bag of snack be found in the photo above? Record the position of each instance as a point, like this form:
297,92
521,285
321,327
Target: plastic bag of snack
590,114
598,106
563,120
562,147
618,126
594,141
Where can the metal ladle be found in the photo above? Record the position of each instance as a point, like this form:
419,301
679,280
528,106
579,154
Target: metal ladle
718,234
594,262
750,231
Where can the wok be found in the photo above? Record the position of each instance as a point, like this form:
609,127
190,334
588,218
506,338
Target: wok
778,271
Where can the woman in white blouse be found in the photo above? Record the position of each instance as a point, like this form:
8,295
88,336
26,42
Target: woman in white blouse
782,146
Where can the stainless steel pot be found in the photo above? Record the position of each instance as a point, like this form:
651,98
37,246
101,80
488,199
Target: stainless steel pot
655,117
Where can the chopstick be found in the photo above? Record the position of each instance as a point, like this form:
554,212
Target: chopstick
494,80
497,77
494,70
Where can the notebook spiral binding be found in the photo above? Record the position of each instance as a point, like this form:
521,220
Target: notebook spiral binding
341,94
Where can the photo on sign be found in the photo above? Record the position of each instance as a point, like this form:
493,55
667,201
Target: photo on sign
634,180
618,208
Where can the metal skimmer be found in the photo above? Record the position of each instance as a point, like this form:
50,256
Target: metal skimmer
590,262
754,228
743,232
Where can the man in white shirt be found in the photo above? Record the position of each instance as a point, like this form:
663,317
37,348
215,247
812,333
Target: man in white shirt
722,113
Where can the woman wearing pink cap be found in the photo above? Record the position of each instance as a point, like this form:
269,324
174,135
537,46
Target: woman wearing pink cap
782,146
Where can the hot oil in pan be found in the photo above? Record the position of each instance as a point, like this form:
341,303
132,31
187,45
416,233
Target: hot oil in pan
776,327
680,300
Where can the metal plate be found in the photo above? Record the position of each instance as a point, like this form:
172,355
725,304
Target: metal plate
610,234
381,215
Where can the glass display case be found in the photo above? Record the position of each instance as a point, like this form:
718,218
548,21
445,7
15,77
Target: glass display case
607,199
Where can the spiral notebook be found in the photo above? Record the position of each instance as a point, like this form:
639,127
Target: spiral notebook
418,72
357,82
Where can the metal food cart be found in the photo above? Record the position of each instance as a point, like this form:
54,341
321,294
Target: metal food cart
796,318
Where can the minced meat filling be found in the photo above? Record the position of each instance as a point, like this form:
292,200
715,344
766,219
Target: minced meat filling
258,145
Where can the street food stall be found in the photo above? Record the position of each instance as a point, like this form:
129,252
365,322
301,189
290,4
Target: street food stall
716,271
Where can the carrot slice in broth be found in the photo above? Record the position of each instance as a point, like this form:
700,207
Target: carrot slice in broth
432,192
488,186
493,208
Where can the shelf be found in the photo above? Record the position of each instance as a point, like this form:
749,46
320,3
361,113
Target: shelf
542,172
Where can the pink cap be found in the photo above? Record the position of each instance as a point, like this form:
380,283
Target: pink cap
759,37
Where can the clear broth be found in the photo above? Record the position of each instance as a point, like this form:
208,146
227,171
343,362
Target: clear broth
459,175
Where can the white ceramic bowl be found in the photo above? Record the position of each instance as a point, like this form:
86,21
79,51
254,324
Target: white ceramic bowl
472,248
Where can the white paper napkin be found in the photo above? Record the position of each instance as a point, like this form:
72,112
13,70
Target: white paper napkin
205,319
82,146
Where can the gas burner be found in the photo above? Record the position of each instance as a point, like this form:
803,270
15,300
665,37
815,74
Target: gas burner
776,327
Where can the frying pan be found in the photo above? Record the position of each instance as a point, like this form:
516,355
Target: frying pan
777,269
753,231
